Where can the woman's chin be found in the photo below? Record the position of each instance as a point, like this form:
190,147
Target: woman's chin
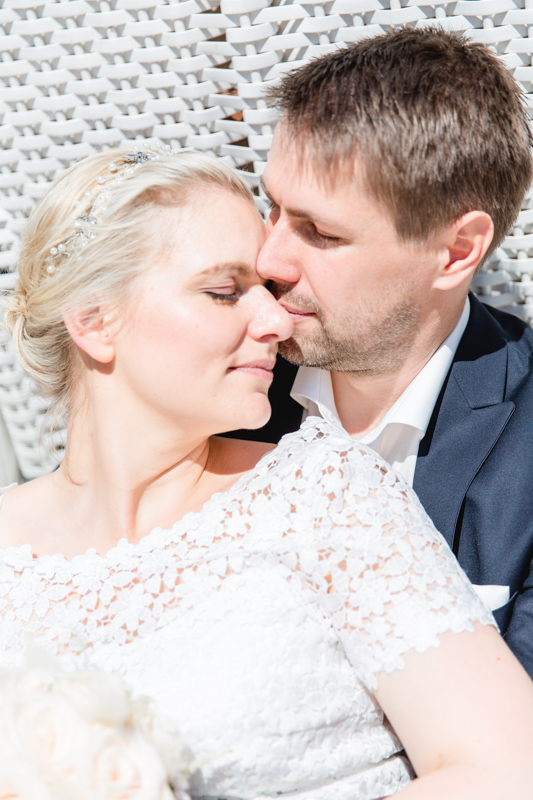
254,416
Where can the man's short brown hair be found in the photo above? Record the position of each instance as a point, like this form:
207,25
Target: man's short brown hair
436,121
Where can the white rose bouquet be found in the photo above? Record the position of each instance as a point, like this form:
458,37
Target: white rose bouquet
81,736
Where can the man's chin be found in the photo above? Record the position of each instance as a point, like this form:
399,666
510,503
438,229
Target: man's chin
313,354
306,356
291,351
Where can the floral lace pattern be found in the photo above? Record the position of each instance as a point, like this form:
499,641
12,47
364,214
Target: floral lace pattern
262,622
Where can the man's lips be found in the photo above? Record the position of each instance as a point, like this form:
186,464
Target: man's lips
259,369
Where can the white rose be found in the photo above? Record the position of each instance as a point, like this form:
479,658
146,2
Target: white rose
80,736
98,697
123,766
37,679
17,782
45,728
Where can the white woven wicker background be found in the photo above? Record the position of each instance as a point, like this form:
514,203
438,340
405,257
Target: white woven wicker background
82,75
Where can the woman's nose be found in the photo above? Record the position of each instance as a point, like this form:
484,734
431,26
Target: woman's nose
268,318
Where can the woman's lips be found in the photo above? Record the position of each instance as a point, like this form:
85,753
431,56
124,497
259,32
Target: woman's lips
259,369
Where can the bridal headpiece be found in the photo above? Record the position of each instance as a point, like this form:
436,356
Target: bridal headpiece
94,206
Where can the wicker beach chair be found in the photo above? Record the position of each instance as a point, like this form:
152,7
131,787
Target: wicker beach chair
80,75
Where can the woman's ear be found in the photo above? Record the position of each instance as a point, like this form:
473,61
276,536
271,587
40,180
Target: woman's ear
465,244
90,330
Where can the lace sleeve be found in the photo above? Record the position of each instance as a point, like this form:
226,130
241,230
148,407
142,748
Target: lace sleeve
381,571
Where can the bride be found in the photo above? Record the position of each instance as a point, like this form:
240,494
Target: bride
288,598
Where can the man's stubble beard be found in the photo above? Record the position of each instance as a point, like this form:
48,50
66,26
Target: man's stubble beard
365,343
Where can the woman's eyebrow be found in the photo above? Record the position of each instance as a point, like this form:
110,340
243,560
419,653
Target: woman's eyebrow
226,268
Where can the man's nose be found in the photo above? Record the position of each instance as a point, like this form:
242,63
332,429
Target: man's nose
276,261
268,320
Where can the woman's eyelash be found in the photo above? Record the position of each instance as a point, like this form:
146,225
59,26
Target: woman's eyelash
224,298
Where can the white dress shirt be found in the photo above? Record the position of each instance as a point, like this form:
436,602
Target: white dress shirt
398,435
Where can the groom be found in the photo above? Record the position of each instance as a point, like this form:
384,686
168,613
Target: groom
398,166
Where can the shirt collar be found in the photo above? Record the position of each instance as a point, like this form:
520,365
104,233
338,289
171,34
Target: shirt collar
414,407
313,387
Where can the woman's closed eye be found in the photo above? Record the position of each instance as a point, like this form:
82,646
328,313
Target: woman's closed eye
225,294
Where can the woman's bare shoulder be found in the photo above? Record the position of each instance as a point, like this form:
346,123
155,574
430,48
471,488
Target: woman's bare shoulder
22,508
29,488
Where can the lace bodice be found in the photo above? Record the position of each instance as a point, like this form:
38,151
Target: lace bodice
261,623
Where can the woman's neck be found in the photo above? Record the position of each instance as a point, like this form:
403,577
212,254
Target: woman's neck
120,478
123,478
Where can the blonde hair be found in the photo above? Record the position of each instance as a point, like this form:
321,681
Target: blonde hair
103,273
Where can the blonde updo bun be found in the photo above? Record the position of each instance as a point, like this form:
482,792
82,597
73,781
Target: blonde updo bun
103,273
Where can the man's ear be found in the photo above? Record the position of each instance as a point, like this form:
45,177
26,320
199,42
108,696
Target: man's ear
464,246
90,331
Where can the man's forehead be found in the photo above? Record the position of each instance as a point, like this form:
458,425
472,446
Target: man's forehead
292,172
334,197
296,158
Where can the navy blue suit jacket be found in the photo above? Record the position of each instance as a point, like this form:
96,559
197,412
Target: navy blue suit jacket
474,472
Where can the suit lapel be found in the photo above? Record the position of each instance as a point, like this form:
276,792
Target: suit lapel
467,421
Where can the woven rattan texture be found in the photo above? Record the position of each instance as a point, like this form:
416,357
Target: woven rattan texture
79,75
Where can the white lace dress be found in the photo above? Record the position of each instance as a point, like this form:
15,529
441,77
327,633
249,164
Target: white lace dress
260,624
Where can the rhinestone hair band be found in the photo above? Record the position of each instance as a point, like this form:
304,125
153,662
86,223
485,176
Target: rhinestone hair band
84,225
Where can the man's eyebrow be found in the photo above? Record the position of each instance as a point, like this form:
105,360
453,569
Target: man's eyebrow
293,212
227,268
